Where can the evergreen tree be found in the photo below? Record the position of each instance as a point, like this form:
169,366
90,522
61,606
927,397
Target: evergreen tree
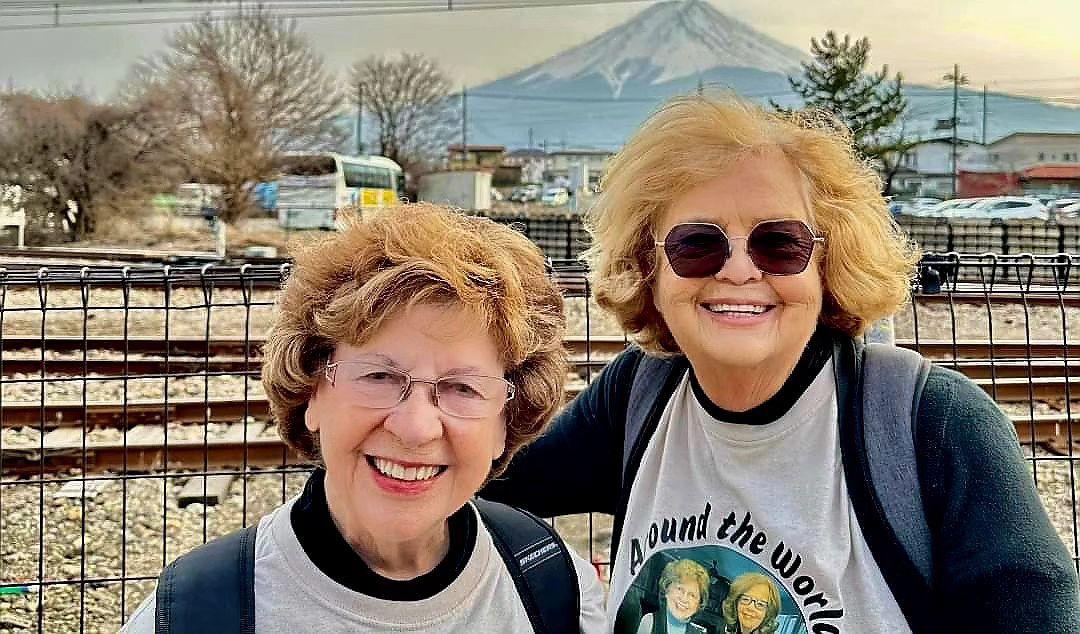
871,105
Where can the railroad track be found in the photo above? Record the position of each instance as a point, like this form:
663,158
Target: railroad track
146,447
53,414
137,269
62,255
196,347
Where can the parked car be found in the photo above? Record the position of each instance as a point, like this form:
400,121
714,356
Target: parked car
955,208
555,196
1057,207
525,193
1069,211
1010,208
913,206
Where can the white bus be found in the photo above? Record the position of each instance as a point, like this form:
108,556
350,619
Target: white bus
312,186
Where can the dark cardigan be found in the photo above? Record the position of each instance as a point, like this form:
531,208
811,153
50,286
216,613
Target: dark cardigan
998,563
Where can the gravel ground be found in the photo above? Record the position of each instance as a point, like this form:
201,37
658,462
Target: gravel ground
151,512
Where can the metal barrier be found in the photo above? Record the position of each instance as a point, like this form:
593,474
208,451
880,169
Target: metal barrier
134,426
559,235
564,236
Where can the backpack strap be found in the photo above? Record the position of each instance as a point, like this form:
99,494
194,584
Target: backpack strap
655,378
893,381
651,379
210,589
539,564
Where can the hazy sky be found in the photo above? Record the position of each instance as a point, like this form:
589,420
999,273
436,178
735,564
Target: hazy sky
1028,47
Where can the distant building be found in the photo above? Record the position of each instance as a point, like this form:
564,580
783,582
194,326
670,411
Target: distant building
530,163
1022,150
474,156
1026,162
559,162
926,169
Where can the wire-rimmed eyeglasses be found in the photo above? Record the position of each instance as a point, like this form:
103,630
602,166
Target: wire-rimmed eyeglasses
381,387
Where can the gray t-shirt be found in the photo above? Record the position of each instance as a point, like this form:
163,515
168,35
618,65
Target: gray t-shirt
292,595
742,499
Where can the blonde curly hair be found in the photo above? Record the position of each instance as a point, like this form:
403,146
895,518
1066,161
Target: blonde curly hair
867,262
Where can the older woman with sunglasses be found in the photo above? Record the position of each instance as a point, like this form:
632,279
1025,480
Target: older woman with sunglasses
412,354
752,250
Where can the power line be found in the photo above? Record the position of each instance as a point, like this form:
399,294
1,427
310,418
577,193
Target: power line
192,7
303,11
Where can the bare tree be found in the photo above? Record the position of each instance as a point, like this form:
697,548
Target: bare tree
104,158
243,89
409,98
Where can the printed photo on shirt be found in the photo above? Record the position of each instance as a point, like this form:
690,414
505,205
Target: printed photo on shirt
710,589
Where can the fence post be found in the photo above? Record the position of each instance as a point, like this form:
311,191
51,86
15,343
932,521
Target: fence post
569,238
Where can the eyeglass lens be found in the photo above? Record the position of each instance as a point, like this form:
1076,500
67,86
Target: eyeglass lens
465,396
749,601
776,247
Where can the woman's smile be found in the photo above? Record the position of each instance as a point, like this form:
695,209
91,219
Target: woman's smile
403,478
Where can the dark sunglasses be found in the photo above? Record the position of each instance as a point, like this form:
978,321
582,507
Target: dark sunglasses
776,247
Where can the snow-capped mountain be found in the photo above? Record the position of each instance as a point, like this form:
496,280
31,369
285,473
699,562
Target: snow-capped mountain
672,40
597,93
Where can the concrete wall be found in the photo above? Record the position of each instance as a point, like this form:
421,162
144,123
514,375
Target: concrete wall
469,190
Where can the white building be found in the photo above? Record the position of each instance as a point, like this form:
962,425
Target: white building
559,162
1021,150
926,169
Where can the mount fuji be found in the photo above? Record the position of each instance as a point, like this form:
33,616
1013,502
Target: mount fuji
595,94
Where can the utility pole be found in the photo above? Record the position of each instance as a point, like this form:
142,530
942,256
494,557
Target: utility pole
359,119
984,116
956,78
530,138
464,126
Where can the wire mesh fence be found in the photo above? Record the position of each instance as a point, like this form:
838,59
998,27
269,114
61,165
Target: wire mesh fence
134,426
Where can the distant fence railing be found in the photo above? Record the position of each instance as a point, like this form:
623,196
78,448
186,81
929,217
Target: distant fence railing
563,236
134,423
559,236
977,235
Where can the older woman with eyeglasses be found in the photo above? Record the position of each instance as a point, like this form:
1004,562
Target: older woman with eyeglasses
746,252
751,606
412,354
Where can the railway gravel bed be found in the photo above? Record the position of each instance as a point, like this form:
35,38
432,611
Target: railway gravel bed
150,513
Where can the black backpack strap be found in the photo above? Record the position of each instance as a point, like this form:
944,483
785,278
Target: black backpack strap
650,378
893,381
210,589
540,565
655,379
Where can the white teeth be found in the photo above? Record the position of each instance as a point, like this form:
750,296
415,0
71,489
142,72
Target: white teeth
753,309
401,472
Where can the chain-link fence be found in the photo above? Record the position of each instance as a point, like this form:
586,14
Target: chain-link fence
134,426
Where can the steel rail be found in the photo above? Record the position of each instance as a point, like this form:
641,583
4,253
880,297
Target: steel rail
577,345
33,368
144,448
52,414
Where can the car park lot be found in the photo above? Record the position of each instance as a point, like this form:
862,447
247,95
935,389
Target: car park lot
990,208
